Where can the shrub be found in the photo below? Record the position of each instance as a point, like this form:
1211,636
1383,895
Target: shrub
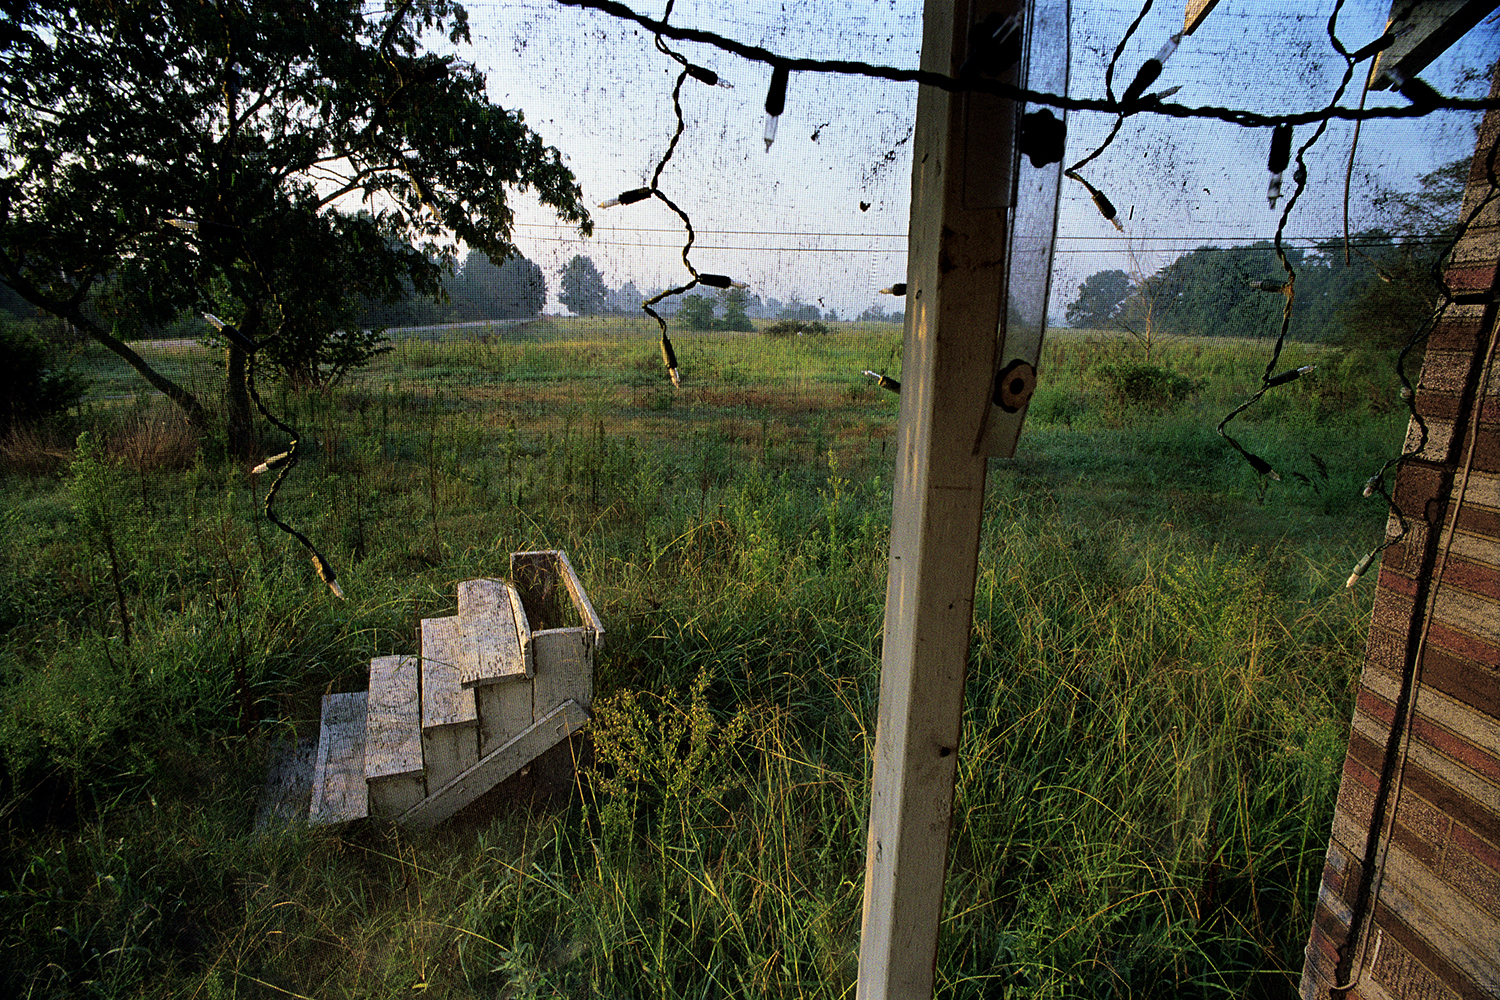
1134,383
31,387
796,328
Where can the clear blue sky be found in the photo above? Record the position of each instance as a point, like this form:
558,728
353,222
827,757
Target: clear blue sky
790,222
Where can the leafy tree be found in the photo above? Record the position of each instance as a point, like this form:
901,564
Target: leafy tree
624,300
13,305
1099,300
482,289
764,310
1400,288
697,313
735,301
583,288
256,123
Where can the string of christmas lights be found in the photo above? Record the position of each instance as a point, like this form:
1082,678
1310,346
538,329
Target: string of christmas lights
1144,105
998,41
707,76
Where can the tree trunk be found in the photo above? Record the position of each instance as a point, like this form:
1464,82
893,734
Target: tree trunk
237,400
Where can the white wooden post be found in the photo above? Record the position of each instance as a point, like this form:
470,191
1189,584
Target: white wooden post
961,189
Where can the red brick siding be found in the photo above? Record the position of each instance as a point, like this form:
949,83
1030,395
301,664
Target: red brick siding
1431,916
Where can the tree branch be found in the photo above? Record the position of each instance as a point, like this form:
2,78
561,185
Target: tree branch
70,309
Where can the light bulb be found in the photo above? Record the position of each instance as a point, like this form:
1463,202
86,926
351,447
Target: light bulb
627,198
1150,70
898,289
1281,154
272,463
775,102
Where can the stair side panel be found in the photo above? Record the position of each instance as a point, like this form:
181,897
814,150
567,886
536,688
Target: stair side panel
564,668
504,712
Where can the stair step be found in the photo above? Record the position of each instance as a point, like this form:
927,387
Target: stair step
562,722
339,792
450,718
393,736
495,638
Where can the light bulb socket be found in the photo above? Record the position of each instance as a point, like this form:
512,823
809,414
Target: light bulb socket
1261,466
776,95
1288,376
1359,569
273,463
1144,77
1281,149
627,198
1106,208
1420,93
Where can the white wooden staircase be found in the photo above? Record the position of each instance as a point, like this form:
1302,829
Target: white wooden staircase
494,687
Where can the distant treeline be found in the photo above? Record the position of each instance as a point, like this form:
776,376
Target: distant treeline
1374,293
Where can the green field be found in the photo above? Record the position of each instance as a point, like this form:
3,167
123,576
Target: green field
1162,671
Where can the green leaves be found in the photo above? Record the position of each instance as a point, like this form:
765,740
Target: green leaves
268,120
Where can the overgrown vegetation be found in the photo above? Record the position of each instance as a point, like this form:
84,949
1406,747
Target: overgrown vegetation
1162,667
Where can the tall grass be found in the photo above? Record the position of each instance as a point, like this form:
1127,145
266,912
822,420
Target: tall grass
1162,665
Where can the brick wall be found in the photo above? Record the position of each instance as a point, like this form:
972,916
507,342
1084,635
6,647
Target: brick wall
1424,896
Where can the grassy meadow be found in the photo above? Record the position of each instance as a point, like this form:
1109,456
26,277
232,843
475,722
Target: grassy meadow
1162,670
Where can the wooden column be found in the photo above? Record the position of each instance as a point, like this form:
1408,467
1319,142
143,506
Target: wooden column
961,184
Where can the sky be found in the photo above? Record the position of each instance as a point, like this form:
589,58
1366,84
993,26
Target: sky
823,215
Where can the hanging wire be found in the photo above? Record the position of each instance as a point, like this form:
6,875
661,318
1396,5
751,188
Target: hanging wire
704,75
1106,208
1269,378
953,84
